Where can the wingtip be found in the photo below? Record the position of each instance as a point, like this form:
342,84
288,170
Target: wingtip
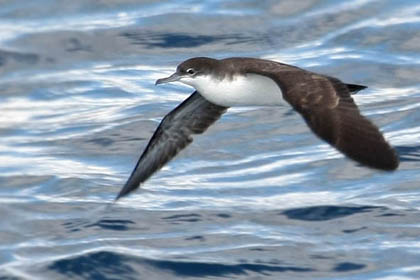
387,160
117,198
393,163
124,191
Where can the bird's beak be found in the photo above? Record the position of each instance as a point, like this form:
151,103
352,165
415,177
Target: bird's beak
172,78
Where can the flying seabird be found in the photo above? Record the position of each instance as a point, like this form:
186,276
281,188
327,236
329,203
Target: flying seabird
324,102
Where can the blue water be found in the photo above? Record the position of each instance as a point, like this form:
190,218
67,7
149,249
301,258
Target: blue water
256,197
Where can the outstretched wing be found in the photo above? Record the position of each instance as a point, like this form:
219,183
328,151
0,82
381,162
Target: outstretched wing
329,110
193,116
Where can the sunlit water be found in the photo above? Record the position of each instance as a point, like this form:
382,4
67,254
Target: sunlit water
256,197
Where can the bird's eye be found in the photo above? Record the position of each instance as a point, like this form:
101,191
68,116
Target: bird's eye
190,71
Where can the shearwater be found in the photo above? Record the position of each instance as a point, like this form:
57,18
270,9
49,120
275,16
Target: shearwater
324,102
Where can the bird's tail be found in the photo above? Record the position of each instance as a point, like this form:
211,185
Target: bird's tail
355,88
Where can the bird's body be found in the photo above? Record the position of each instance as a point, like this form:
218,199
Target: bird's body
324,102
244,90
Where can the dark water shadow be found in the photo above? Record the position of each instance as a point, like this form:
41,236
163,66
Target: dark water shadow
17,57
76,45
9,277
348,266
101,141
112,224
354,230
195,238
407,153
326,212
196,269
183,218
184,40
109,265
102,265
102,224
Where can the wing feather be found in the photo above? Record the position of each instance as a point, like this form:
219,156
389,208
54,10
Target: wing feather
337,120
193,116
326,105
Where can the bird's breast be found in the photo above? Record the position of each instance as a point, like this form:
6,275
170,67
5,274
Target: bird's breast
241,90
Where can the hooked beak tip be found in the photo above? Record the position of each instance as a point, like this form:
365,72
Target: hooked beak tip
172,78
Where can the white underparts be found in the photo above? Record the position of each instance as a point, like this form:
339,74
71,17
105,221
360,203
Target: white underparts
249,90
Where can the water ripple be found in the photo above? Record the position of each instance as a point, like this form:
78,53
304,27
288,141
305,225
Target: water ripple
256,196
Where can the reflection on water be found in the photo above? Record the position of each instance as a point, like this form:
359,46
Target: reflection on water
263,199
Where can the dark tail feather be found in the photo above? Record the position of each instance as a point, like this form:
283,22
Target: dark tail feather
355,88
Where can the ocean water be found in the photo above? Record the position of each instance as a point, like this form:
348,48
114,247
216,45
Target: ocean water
257,196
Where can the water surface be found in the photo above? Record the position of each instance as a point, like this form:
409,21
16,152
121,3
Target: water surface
258,196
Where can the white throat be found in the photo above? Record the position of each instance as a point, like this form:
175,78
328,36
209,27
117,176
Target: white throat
241,90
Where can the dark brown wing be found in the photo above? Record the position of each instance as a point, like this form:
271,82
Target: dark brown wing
193,116
328,109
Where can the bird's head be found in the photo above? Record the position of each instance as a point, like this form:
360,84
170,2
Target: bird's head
189,71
